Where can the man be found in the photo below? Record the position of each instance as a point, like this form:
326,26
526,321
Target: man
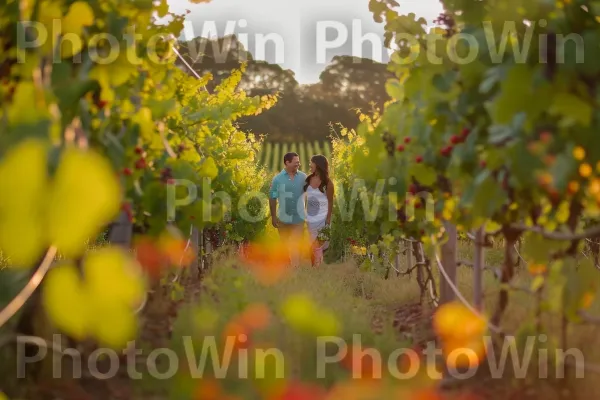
287,188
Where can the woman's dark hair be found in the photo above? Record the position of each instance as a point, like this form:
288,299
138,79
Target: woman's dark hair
322,172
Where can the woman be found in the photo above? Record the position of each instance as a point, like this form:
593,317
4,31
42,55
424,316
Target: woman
318,190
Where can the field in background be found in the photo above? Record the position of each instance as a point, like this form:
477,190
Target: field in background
271,155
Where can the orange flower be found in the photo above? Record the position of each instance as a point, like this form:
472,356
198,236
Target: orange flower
362,363
573,187
461,332
156,254
236,331
464,353
208,389
409,360
455,320
425,394
536,269
269,263
256,316
594,187
302,391
149,256
587,300
240,328
176,250
585,170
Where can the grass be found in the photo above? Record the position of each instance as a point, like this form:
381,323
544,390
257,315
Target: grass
359,298
361,302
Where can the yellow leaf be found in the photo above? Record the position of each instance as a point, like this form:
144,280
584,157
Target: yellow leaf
115,69
80,14
326,324
84,198
70,48
144,119
65,301
114,324
299,311
101,74
111,273
121,69
49,12
21,240
209,168
23,175
23,109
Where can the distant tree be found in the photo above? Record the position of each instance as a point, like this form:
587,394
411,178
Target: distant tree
304,112
359,81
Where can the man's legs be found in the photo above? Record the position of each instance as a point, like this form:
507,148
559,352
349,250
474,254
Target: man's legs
291,235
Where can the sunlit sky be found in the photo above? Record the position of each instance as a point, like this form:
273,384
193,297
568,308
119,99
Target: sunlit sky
295,25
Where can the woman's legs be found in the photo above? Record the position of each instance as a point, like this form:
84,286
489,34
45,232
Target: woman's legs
316,251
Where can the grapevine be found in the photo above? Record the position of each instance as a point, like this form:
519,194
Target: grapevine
501,143
112,140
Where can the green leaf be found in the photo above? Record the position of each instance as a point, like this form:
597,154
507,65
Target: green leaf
184,170
489,196
536,248
591,60
492,77
519,94
160,108
394,89
443,83
572,108
555,286
423,173
562,170
500,133
522,164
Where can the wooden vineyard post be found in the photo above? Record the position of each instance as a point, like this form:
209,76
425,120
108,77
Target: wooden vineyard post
448,260
206,250
478,270
201,249
408,255
121,231
397,259
194,243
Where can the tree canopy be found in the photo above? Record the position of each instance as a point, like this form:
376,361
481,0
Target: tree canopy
303,112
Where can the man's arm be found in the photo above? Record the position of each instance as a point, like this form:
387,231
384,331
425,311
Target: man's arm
273,203
273,207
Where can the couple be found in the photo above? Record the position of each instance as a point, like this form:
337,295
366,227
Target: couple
302,198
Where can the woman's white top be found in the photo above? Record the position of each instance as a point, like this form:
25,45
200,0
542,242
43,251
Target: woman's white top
316,208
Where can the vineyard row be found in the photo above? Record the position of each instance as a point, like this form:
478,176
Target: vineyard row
271,155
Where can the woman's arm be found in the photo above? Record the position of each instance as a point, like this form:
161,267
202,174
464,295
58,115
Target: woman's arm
329,201
305,200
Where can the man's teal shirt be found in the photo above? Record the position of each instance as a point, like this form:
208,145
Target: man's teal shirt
289,194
